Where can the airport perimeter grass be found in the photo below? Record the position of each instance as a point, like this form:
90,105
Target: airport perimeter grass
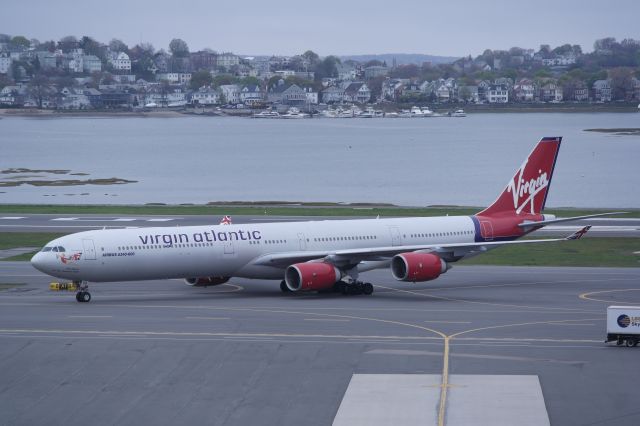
587,251
278,209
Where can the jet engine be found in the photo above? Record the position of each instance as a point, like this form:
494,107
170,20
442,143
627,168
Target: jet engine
311,276
417,267
206,281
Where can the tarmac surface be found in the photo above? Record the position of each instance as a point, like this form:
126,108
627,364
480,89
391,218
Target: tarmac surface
603,227
479,345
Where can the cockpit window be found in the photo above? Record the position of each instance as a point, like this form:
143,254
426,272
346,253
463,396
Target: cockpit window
46,249
55,249
61,249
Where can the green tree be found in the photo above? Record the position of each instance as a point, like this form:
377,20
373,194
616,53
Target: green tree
327,68
220,80
200,78
20,41
39,87
179,48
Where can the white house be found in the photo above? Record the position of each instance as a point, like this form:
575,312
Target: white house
228,60
497,94
602,90
251,95
5,63
174,77
205,96
333,94
91,63
121,62
231,93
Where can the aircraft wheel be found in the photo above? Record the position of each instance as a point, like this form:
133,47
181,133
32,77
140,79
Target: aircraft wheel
367,288
631,343
78,297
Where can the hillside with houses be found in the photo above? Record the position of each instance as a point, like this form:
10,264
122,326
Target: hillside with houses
85,74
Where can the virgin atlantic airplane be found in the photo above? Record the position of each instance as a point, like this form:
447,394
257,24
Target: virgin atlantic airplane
314,255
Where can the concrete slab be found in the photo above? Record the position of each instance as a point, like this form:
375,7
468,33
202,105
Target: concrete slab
495,400
390,399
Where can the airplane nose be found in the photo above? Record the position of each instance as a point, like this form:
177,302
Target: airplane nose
38,262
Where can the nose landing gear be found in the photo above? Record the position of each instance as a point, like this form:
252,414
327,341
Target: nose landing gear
83,294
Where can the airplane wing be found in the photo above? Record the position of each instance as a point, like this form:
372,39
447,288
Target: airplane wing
355,256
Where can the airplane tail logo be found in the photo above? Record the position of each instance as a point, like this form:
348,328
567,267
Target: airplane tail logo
526,192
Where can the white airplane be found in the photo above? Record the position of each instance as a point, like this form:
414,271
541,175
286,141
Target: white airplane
314,255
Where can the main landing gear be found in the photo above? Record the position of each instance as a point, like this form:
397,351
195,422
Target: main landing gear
83,294
354,287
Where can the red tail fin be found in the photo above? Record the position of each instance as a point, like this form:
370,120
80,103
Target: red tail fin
526,193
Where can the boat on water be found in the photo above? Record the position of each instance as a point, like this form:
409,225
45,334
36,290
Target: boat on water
458,113
294,113
391,115
266,114
416,112
426,112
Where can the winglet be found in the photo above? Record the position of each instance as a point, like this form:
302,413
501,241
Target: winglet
578,234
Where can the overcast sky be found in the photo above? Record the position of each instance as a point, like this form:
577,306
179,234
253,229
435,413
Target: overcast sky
264,27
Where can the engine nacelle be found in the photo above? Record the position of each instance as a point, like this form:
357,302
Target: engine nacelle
417,267
311,276
206,281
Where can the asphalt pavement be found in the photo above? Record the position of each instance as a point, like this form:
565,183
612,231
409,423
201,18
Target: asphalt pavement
481,344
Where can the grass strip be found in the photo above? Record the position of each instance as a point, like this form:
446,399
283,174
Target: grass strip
601,251
9,240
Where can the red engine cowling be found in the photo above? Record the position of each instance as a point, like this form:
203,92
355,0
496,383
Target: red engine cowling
416,267
206,281
311,276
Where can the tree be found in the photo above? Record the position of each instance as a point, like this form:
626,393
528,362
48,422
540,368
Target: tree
327,68
39,87
465,93
20,41
311,57
406,71
5,38
201,78
607,43
91,47
179,48
219,80
68,43
621,82
116,45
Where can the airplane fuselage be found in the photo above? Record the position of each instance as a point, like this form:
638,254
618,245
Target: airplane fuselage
229,250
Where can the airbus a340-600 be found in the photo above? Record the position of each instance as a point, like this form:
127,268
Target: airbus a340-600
312,255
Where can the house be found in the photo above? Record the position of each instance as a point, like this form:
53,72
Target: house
524,90
251,95
72,98
230,94
121,62
91,63
411,90
312,97
47,60
443,93
497,94
292,95
203,60
375,71
227,60
392,89
602,90
578,91
5,63
174,77
346,72
551,92
483,90
333,94
357,92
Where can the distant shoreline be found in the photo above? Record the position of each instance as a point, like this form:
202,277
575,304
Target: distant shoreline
471,108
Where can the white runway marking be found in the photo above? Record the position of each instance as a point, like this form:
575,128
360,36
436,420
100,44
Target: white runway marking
124,219
412,399
160,219
65,219
12,218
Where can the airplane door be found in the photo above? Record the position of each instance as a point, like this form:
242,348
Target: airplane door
486,230
89,250
228,247
303,242
396,239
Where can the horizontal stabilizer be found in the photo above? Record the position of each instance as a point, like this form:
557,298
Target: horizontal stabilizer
528,224
579,234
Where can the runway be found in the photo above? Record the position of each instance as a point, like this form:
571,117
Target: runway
602,227
479,343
